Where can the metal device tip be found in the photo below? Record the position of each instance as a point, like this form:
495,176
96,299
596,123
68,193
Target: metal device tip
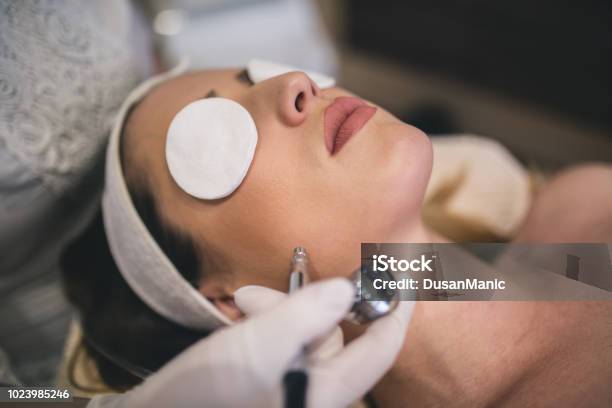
299,251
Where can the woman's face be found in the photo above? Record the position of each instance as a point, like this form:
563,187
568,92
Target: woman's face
296,192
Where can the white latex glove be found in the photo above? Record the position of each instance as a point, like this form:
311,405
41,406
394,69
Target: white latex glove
252,300
330,383
244,365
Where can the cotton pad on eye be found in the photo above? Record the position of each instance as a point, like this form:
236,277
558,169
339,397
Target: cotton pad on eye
210,147
260,70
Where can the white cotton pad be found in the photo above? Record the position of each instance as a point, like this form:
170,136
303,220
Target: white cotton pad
210,147
260,70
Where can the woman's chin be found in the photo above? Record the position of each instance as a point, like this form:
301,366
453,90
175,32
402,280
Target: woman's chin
408,161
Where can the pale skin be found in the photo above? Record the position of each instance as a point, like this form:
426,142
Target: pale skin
457,354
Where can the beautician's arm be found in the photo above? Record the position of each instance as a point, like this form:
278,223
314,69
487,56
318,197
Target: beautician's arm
243,365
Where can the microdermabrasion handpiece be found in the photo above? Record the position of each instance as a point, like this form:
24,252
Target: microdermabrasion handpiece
299,269
371,303
296,379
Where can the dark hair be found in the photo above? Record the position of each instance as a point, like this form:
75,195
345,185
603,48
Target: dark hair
113,318
112,315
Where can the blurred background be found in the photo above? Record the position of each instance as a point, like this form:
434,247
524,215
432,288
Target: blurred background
534,75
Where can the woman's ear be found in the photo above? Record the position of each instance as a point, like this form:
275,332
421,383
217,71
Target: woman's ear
227,306
222,299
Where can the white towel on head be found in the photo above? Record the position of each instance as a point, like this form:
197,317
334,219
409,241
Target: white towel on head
144,266
483,184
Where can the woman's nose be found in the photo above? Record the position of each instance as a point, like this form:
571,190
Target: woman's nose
297,95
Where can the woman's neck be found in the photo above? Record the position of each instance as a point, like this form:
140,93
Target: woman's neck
389,391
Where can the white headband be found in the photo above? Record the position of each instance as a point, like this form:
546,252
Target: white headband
144,266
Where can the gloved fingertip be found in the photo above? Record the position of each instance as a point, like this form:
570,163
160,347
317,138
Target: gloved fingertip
405,310
246,289
397,321
336,292
246,296
252,299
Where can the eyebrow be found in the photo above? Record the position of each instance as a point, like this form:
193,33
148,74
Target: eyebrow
243,76
211,94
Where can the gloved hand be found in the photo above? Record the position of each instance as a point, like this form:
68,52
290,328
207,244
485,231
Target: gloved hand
252,300
244,365
330,383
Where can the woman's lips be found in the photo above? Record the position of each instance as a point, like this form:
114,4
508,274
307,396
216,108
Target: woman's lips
343,119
